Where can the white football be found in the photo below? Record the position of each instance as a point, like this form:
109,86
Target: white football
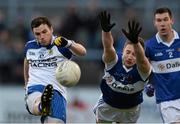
68,73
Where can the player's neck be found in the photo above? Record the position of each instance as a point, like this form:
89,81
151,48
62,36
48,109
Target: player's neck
167,38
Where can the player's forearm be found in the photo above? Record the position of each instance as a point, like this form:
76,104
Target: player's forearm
107,40
109,53
139,53
78,49
141,60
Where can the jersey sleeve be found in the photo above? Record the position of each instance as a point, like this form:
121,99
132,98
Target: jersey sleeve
147,50
25,49
110,65
66,52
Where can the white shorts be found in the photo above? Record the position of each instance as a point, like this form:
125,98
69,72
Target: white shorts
105,112
170,111
30,100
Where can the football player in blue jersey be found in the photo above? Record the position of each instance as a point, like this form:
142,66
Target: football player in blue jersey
125,75
44,95
163,51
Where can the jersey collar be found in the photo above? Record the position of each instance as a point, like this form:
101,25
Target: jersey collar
159,40
127,69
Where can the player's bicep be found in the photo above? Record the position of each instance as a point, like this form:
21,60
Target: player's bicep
110,59
145,74
144,66
109,55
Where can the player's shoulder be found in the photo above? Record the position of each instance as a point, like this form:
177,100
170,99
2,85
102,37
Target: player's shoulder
178,34
119,55
177,37
32,44
151,42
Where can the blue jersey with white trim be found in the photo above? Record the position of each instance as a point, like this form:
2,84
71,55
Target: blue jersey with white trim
165,61
43,63
120,88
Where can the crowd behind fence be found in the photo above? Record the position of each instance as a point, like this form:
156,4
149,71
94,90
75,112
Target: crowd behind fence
75,20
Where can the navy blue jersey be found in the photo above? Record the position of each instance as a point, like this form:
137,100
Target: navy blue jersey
121,88
165,60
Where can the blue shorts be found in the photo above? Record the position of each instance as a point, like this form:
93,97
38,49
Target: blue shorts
58,104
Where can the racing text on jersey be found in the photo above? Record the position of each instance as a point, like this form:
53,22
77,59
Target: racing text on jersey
51,62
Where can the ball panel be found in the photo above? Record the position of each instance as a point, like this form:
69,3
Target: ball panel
68,73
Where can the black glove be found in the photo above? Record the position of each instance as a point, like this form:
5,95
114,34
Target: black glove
63,42
149,90
105,18
134,31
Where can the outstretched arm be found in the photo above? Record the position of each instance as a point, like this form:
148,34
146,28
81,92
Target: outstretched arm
109,53
141,60
76,48
133,35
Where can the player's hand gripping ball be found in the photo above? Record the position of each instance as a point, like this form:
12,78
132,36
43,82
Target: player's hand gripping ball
68,73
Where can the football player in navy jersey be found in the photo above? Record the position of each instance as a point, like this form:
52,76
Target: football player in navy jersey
44,95
163,51
125,75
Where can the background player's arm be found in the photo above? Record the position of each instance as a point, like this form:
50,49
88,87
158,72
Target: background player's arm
141,60
133,36
26,70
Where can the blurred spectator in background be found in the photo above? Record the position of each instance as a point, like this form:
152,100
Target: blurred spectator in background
20,30
11,51
91,24
129,13
87,23
6,56
2,20
71,23
18,59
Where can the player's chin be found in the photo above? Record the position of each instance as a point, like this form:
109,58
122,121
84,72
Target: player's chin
44,43
129,64
163,33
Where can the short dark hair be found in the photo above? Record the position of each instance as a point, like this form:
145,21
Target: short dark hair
163,10
139,39
36,22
